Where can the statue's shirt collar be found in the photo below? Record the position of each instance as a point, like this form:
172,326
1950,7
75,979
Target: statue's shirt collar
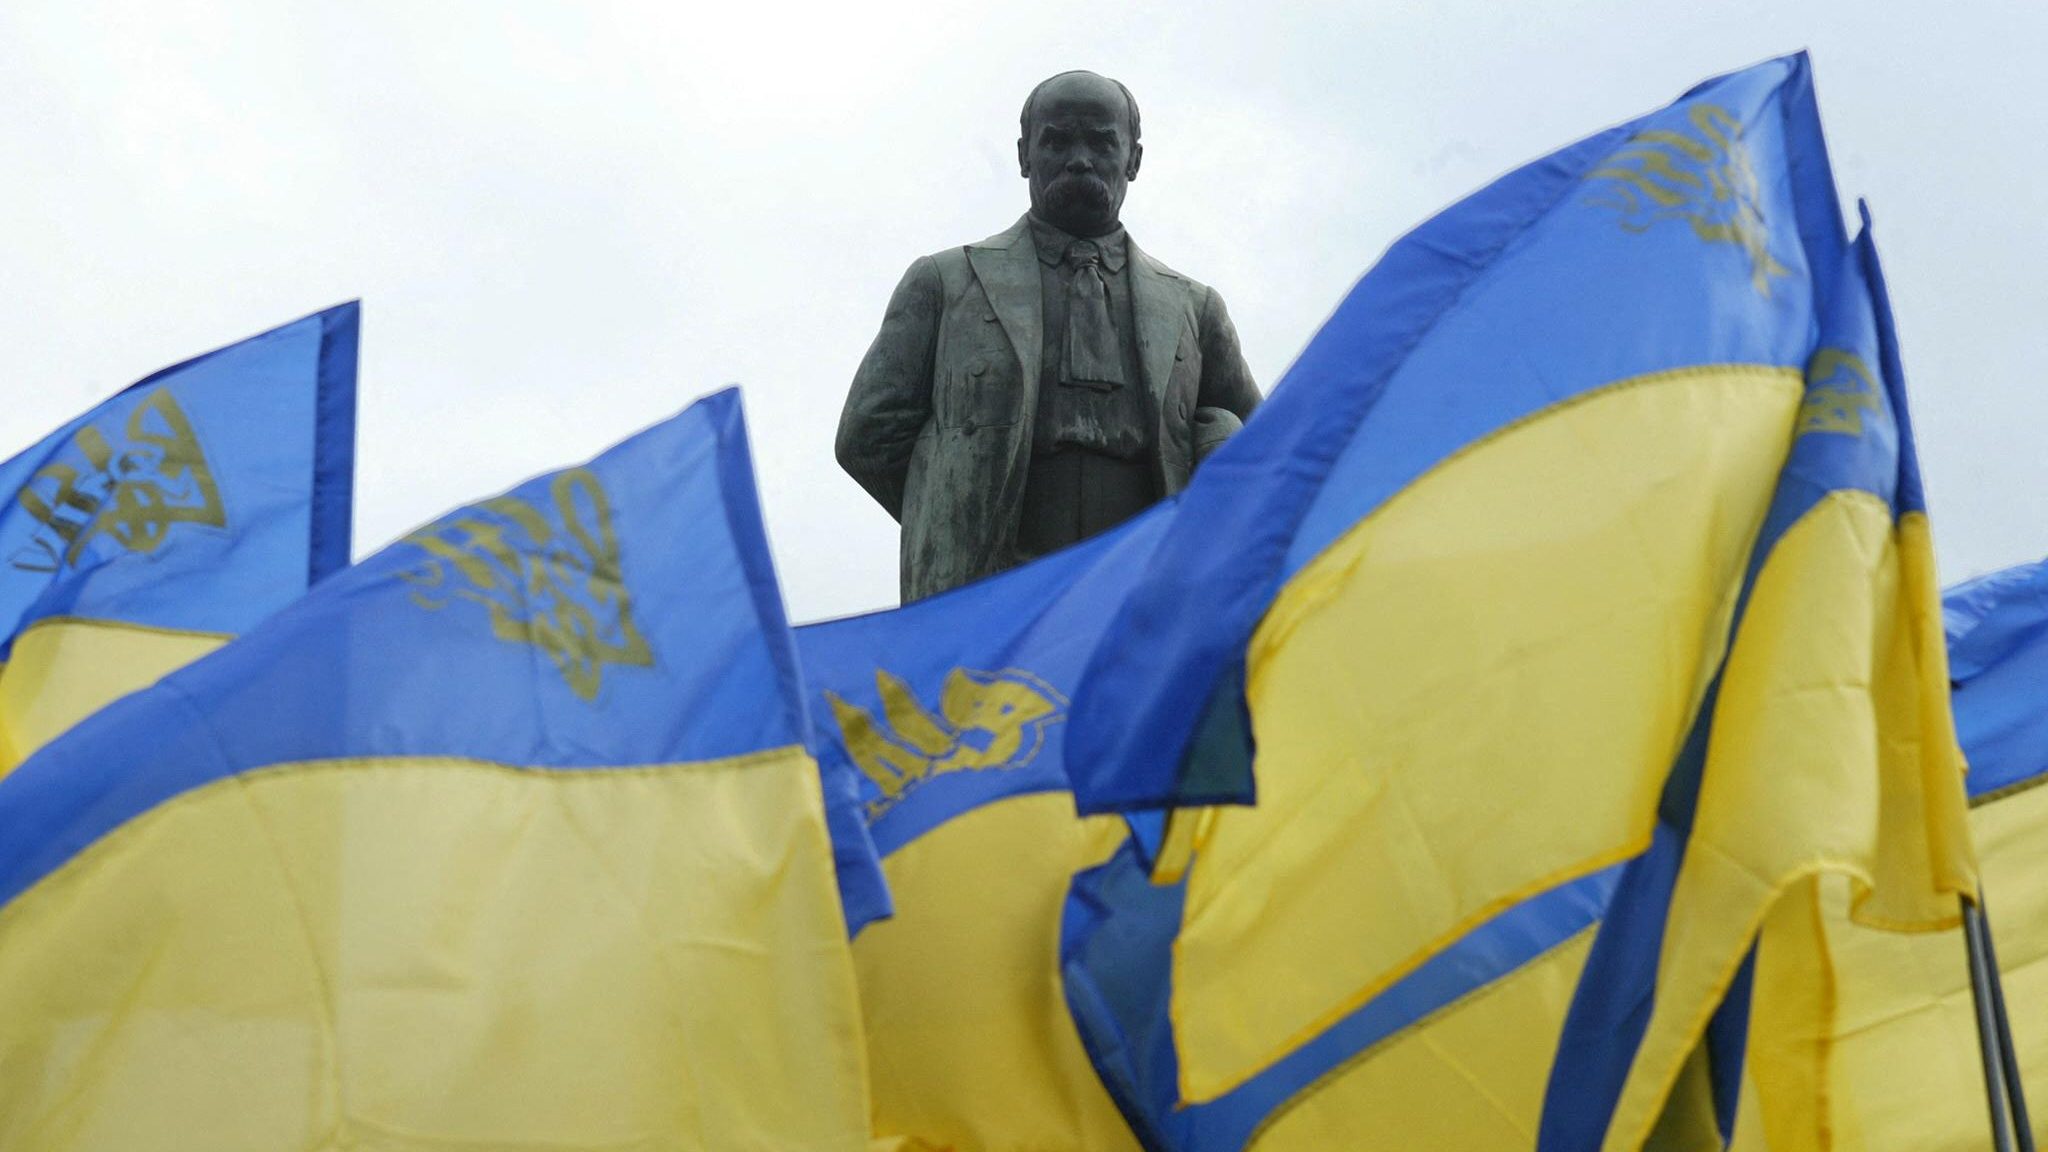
1052,245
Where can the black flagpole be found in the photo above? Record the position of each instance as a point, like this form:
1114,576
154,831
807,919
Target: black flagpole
2015,1088
1984,993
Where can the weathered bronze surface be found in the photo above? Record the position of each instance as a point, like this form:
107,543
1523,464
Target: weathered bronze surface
1051,381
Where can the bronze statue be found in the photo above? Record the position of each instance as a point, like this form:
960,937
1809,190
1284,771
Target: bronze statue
1051,381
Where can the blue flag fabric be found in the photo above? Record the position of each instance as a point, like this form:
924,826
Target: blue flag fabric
508,832
955,702
1998,658
201,498
147,532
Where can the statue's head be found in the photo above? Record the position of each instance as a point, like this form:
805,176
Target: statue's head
1079,149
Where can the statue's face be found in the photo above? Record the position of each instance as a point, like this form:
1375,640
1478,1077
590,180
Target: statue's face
1078,154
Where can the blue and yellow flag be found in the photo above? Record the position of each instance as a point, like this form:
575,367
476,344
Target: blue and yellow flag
506,837
1824,748
1895,1037
1467,579
949,712
178,513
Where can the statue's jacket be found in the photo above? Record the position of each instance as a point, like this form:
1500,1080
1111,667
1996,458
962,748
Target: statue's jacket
938,424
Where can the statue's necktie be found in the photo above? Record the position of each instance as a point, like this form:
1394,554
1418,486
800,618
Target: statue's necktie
1092,357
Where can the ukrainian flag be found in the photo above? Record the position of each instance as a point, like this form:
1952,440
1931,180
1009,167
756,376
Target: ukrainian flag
1481,549
1825,748
506,837
1899,1046
949,712
176,514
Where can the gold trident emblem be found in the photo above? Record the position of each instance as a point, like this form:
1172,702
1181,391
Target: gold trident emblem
1705,178
561,592
131,493
985,720
1839,390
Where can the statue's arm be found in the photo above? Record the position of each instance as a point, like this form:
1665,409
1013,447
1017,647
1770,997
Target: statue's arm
891,397
1226,379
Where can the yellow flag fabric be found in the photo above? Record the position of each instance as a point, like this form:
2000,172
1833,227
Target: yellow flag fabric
63,670
1885,1023
507,837
376,954
1810,685
969,1043
1898,1041
1470,1076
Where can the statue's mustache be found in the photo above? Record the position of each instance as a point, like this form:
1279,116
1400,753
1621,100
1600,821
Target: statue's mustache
1080,189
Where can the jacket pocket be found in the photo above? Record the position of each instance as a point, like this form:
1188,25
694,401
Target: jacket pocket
981,390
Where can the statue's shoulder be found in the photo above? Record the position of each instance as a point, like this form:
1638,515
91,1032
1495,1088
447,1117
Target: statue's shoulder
953,267
957,257
1016,234
1200,296
1160,267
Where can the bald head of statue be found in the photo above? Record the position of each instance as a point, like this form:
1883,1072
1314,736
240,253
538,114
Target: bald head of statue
1078,147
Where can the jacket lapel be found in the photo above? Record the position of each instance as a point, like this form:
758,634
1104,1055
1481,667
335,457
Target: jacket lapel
1007,266
1159,301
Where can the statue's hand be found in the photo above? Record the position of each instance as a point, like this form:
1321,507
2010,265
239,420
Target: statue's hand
1212,427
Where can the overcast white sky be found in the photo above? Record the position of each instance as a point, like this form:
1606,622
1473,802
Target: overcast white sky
567,220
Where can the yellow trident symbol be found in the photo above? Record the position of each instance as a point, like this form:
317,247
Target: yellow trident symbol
131,492
985,720
564,594
1705,178
1839,390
